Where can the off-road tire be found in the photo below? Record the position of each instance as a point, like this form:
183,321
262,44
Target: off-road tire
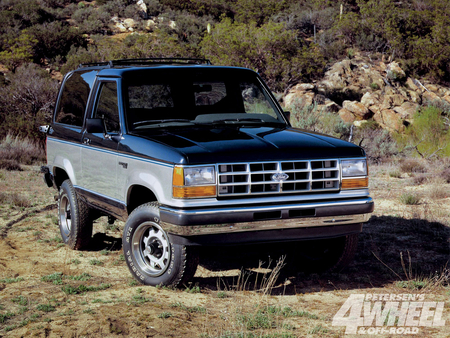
151,256
75,223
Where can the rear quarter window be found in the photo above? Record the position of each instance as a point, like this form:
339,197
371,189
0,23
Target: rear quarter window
74,97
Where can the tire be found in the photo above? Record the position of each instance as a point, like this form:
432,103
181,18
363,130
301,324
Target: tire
75,223
151,256
332,255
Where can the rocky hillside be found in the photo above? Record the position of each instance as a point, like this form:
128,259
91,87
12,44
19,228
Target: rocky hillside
361,89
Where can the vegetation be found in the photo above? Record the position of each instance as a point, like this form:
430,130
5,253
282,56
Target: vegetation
285,41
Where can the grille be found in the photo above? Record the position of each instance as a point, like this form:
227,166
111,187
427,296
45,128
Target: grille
278,177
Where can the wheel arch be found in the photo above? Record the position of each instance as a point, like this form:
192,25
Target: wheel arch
59,176
138,195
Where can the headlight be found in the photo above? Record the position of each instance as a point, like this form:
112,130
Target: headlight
199,176
194,182
351,168
354,174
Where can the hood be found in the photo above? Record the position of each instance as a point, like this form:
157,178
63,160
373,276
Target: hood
220,144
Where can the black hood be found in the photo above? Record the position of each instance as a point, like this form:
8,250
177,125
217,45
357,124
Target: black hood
220,144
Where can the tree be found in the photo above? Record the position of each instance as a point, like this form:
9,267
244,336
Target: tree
18,51
271,50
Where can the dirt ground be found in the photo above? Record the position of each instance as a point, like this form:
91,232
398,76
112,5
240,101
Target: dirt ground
47,290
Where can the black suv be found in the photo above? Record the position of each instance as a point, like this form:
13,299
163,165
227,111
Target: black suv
192,154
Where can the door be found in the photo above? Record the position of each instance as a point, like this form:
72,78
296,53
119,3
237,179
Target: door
99,157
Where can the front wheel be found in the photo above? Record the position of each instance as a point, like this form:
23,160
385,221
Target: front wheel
150,255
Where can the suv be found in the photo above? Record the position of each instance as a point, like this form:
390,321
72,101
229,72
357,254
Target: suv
191,154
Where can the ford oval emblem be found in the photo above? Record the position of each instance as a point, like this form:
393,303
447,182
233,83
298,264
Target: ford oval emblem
280,177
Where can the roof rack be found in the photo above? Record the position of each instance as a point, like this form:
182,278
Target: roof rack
145,61
93,64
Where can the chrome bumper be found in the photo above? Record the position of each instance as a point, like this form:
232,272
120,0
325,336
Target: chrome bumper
194,222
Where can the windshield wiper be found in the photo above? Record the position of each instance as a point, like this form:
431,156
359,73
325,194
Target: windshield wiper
141,123
247,119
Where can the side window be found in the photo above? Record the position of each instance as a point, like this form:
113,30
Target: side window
107,107
72,104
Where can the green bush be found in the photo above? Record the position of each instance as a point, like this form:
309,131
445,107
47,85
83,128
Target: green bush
271,50
428,135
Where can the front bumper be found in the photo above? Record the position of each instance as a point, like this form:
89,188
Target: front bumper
218,221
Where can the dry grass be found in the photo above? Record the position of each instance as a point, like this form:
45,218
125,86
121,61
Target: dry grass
403,249
15,151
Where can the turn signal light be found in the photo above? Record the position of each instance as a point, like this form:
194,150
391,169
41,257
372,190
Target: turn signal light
355,183
194,192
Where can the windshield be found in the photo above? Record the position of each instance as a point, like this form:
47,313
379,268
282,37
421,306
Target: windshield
191,98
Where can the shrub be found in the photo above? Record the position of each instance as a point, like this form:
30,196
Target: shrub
412,165
420,179
55,39
428,135
410,199
445,175
25,104
14,150
275,53
378,143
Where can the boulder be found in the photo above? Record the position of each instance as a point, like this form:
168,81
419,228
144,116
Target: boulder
356,108
411,84
390,120
298,99
346,115
142,8
394,72
129,23
430,96
305,86
370,99
414,96
406,110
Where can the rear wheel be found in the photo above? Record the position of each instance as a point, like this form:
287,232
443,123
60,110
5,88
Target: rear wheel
75,223
150,255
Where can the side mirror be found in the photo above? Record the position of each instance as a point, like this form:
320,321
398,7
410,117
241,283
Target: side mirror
95,126
287,115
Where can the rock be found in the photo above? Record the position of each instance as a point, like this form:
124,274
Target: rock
429,97
305,86
129,23
150,25
414,96
410,84
142,8
433,88
346,115
121,27
298,99
394,72
447,98
375,109
370,99
330,107
356,108
406,110
390,120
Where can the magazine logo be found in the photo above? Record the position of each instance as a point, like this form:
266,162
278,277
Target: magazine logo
388,314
